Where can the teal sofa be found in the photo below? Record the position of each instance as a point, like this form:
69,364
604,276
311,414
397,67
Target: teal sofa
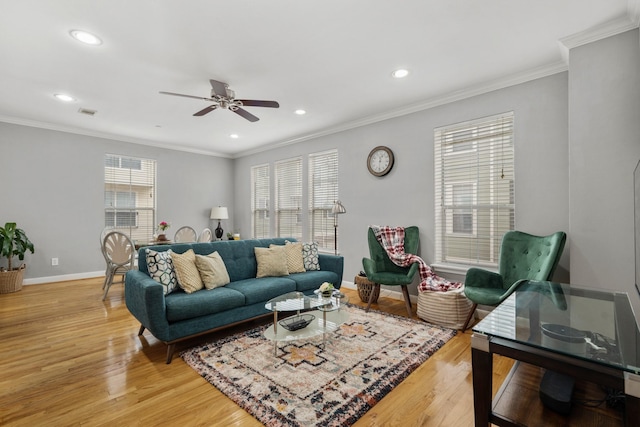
178,316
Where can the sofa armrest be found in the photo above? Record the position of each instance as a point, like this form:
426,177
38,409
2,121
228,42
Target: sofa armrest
333,263
145,300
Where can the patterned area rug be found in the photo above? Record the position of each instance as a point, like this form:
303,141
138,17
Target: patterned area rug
308,385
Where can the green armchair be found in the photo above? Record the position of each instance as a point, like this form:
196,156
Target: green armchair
522,257
381,270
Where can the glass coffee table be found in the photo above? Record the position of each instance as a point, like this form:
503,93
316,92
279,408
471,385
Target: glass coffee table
326,311
580,332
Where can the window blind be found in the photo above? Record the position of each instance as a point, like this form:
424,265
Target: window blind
474,189
323,193
260,183
288,175
129,196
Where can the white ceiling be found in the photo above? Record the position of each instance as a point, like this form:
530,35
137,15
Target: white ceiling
333,58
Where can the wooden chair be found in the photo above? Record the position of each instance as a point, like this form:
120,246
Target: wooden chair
185,234
120,255
205,236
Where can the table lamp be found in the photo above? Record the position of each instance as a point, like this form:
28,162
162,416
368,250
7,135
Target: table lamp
219,213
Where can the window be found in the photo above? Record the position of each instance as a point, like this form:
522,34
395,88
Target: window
129,196
323,193
474,189
288,174
260,201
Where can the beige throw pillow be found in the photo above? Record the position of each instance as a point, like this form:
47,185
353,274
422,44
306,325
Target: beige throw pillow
293,254
271,262
212,270
187,272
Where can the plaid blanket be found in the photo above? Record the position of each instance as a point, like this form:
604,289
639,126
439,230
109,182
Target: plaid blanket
392,241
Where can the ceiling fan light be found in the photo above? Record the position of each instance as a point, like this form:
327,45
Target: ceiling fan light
401,73
85,37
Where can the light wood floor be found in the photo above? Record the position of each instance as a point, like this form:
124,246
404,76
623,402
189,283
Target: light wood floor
68,358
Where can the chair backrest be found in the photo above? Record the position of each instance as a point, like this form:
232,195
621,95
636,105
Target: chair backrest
205,236
525,256
119,249
380,257
185,234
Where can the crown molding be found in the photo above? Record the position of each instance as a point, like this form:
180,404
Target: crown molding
608,29
105,135
485,87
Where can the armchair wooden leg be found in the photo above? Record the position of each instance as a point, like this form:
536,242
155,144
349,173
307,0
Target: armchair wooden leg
142,328
407,300
170,349
471,312
373,292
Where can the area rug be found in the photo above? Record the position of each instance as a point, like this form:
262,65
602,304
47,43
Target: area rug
308,385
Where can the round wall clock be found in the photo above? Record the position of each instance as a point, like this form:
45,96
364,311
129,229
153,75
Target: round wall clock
380,161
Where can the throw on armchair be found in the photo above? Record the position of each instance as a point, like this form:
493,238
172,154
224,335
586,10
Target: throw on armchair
522,257
381,270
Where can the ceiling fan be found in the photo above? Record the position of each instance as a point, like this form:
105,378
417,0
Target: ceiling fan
223,97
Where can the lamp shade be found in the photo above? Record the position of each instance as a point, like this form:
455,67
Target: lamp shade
219,212
338,208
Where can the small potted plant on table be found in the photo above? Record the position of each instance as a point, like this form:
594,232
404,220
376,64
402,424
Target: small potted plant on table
13,242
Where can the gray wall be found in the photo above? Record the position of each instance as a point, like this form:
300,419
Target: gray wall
406,195
53,187
604,142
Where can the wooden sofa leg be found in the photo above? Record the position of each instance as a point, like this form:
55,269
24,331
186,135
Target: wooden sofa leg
471,312
373,289
141,330
407,300
170,349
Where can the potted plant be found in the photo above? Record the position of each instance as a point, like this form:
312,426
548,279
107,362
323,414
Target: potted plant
13,242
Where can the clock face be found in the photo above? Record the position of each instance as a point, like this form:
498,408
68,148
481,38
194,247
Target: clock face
380,161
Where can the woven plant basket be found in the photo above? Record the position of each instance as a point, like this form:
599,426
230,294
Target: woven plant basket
365,287
11,281
449,309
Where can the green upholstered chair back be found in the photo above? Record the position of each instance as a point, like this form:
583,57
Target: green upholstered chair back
524,256
380,257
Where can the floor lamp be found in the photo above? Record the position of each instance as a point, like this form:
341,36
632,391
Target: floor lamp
336,210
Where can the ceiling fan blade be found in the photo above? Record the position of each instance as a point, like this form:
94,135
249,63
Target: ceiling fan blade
256,103
186,96
219,88
206,110
247,115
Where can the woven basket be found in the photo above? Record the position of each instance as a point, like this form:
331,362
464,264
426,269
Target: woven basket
365,287
11,281
449,309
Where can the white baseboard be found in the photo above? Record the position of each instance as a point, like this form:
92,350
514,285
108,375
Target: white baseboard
383,292
63,278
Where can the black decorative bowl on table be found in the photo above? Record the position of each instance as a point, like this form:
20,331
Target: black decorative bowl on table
297,322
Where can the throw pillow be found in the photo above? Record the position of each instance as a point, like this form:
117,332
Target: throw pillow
187,272
161,269
310,256
293,254
212,270
271,261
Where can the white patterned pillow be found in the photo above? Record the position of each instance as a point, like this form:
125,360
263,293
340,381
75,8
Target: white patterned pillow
310,256
161,269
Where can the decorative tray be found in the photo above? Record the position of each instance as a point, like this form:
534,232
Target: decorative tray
294,323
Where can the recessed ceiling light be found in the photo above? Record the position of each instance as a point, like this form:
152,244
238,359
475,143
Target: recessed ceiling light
300,112
234,136
85,37
63,97
398,74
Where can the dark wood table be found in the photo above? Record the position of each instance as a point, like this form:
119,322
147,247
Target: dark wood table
514,329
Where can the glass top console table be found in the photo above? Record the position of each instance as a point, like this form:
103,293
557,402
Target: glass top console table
580,332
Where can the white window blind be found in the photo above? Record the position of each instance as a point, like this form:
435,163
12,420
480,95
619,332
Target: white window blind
260,201
323,193
288,175
474,189
129,196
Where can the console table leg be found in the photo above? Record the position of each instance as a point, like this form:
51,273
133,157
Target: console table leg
482,368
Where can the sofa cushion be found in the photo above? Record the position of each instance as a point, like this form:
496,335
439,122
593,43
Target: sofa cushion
182,306
271,262
313,279
293,254
187,272
161,269
310,256
263,289
212,270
